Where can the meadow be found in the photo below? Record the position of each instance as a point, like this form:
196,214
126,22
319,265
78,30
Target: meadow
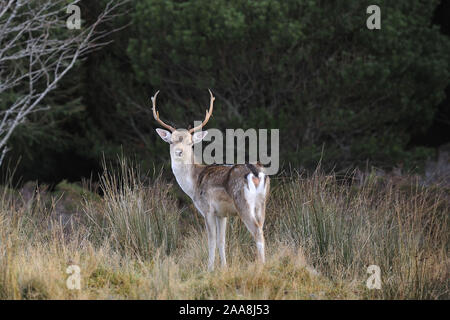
136,236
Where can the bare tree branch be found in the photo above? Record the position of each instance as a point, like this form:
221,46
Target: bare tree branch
37,51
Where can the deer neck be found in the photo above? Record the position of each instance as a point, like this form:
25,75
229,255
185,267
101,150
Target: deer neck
186,175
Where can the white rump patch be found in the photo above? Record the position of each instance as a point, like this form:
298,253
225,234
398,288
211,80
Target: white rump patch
253,193
261,187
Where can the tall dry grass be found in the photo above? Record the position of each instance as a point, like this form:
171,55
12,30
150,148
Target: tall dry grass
140,240
345,226
137,220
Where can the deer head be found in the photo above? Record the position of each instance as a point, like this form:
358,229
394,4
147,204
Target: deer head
182,140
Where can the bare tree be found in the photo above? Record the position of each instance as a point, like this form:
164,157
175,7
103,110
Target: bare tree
36,51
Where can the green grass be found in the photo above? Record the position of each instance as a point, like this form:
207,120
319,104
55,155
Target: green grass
141,240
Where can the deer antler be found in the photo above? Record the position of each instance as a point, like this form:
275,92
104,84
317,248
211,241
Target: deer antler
156,114
207,116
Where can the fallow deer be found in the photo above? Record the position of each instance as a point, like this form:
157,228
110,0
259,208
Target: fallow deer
217,191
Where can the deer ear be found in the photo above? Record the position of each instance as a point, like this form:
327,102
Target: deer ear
164,134
198,136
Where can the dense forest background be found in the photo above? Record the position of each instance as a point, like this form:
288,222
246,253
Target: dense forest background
336,90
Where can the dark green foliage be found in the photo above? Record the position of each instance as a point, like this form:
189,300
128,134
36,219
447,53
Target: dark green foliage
310,68
54,144
336,90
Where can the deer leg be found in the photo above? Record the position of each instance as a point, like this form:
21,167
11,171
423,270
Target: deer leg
252,212
256,230
221,223
211,232
259,239
259,234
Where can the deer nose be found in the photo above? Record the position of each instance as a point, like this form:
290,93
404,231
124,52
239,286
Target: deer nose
178,152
